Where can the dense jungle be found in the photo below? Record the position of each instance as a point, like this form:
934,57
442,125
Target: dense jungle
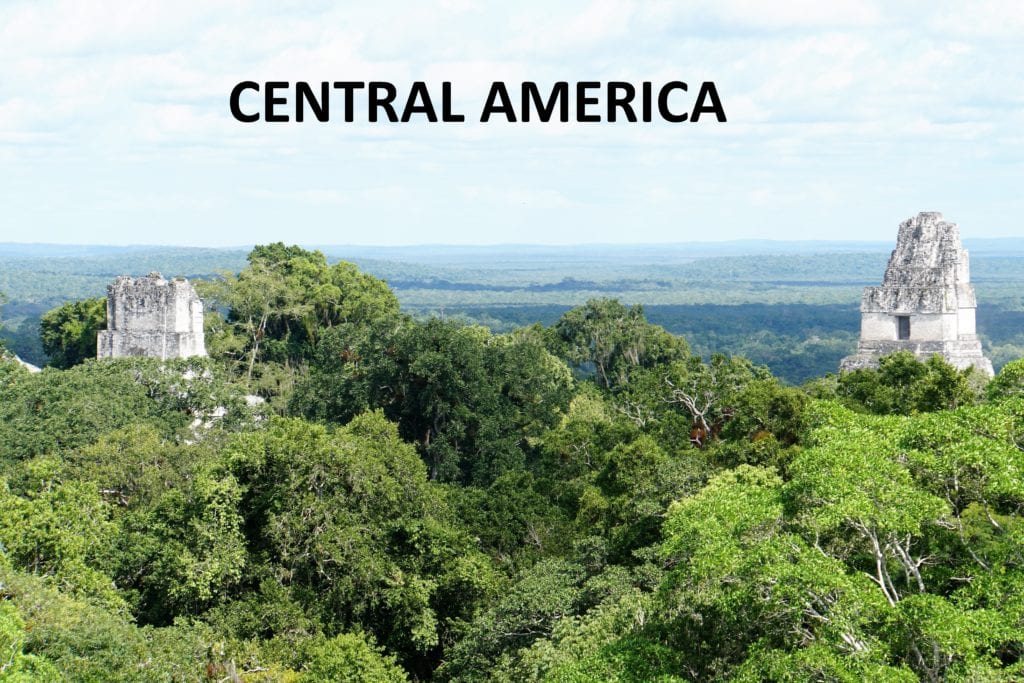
364,483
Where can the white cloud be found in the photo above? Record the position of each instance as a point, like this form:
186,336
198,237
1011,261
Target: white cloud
980,19
534,198
840,96
796,13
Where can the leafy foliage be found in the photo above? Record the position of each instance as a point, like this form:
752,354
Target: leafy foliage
276,309
68,332
472,402
427,500
612,339
902,384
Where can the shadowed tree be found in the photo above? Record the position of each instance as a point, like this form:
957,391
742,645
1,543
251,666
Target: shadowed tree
68,332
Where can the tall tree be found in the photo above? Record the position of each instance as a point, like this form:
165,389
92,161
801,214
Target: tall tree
270,317
611,339
348,521
68,332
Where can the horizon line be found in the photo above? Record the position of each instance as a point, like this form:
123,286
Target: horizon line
495,245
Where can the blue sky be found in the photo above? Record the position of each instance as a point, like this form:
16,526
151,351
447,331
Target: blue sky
844,119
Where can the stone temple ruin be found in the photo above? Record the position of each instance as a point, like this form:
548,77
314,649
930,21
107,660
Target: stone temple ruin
926,302
153,317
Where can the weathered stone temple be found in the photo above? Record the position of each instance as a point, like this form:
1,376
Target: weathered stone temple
153,317
926,302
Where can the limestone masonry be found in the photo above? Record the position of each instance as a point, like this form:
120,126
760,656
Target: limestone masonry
926,302
153,317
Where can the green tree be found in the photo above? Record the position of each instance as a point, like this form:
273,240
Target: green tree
696,402
855,488
513,518
542,595
472,402
817,662
632,491
84,641
62,534
187,551
253,298
902,385
15,665
607,643
350,522
55,410
741,577
912,503
339,382
277,308
348,658
431,384
51,410
1009,383
179,545
68,332
609,339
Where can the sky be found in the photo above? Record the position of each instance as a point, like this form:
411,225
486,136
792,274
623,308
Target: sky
844,118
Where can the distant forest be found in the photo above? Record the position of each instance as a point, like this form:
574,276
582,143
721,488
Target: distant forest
790,306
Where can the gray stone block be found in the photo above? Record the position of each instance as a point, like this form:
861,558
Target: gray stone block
927,284
152,317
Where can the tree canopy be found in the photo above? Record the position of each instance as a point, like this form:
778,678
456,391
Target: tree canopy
424,499
68,332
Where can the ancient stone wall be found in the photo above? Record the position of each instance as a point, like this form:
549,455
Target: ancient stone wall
927,282
153,317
